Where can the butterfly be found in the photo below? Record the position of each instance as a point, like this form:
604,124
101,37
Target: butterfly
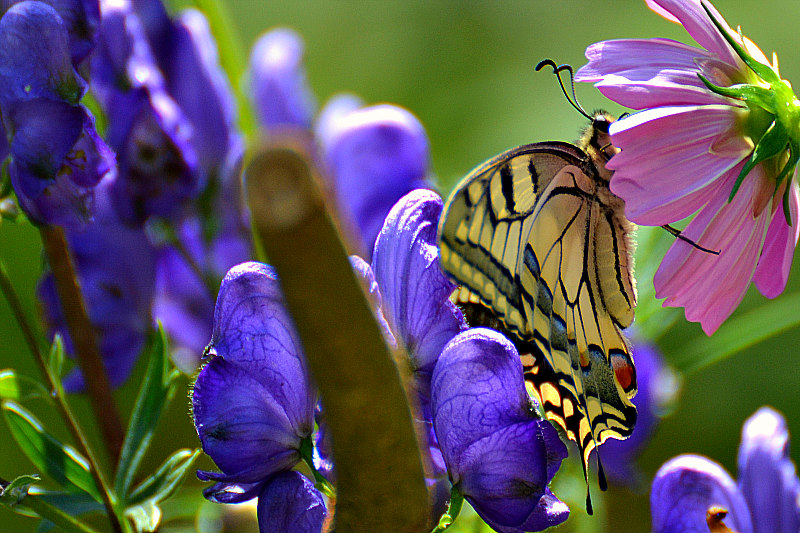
541,249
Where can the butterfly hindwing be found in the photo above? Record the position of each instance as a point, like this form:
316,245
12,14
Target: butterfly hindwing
536,236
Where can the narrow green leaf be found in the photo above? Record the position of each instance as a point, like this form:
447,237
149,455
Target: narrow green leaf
59,461
154,394
72,504
738,333
15,491
167,479
36,505
20,388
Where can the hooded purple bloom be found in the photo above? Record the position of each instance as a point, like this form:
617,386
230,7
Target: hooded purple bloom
57,156
657,386
765,499
116,270
152,136
500,455
373,155
253,402
704,144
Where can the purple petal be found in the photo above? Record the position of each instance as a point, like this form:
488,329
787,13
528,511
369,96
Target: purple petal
331,115
376,155
415,292
672,158
683,490
227,492
253,330
35,57
278,82
775,262
642,73
289,502
767,475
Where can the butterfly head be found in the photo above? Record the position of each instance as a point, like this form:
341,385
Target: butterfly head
596,141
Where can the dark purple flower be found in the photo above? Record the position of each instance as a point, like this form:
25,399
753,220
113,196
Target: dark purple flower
289,502
373,155
500,455
765,499
149,131
116,270
657,385
57,156
253,402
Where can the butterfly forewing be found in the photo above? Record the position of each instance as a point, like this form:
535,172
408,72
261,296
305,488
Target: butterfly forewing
536,236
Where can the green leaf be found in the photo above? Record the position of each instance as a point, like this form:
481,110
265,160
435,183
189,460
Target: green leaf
59,461
15,491
154,394
739,333
145,517
167,479
20,388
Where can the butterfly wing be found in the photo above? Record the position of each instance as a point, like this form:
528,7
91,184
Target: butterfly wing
535,235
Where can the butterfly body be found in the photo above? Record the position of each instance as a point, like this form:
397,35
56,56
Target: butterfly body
536,237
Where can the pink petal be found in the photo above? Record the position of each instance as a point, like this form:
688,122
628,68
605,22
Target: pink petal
693,17
709,286
775,263
640,73
672,159
661,11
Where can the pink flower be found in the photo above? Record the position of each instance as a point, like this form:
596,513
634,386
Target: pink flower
718,136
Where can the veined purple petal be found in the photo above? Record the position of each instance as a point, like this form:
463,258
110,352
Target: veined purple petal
683,490
711,286
35,57
693,17
641,73
278,82
767,475
672,158
415,292
376,155
289,502
253,330
228,492
775,262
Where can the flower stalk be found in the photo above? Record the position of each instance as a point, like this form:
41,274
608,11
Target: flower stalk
82,334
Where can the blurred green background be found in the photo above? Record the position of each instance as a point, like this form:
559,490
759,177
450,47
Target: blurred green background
466,70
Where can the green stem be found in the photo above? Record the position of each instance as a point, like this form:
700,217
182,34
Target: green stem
231,55
83,339
57,392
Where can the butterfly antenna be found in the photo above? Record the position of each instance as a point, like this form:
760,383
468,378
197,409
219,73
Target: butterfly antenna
557,70
678,235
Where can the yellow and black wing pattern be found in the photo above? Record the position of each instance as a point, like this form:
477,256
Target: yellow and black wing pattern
535,236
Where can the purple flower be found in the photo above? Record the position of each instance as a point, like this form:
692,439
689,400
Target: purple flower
657,386
57,156
289,502
116,270
717,137
373,155
253,403
765,499
500,455
149,131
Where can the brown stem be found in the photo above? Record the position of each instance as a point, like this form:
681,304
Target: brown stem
84,340
58,394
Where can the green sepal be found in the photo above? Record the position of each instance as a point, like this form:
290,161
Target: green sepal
453,510
21,388
761,96
772,143
60,462
157,389
16,490
763,71
794,157
166,480
56,358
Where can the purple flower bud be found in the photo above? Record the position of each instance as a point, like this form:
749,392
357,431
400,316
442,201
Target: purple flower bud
278,82
253,402
289,502
500,455
375,155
